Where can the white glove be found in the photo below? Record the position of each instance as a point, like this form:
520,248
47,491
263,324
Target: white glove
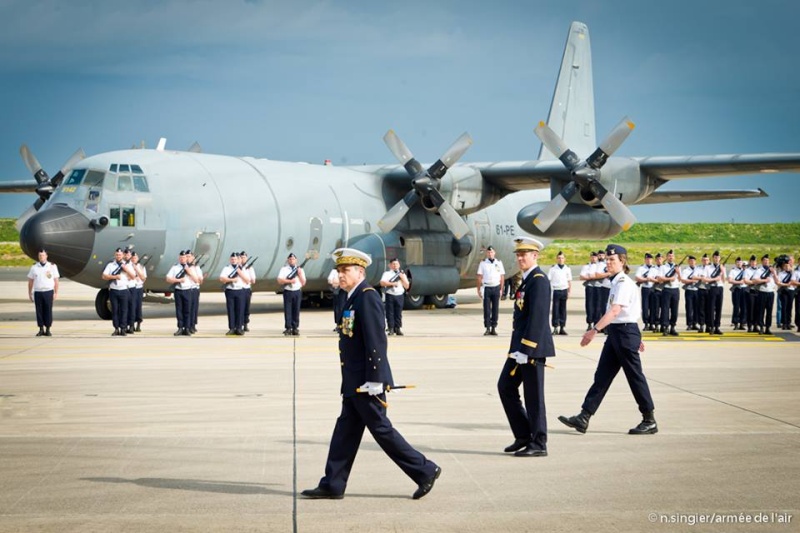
373,388
520,357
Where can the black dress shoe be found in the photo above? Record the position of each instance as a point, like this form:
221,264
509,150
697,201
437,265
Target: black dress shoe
231,332
47,333
398,331
295,332
517,445
579,422
767,332
426,486
287,331
493,331
487,332
530,451
562,332
41,333
319,493
178,333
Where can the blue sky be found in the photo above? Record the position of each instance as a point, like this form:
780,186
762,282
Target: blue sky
311,80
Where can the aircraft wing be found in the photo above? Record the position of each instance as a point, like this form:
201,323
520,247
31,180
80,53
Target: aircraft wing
18,186
666,197
700,166
521,175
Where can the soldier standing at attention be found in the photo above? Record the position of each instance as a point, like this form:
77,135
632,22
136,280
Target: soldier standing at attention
247,286
560,277
292,278
180,276
118,273
194,291
491,276
670,297
127,256
366,376
690,276
621,350
714,278
590,289
395,284
232,278
531,344
739,292
658,291
764,281
141,277
644,281
42,291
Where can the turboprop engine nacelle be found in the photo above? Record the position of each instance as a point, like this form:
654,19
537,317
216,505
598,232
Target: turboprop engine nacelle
575,222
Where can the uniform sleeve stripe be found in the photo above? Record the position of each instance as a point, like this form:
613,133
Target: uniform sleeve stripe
526,342
538,275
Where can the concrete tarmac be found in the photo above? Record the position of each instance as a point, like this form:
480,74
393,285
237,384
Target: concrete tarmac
152,432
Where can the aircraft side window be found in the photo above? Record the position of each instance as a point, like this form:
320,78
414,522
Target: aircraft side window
124,183
128,216
140,184
94,178
113,216
75,177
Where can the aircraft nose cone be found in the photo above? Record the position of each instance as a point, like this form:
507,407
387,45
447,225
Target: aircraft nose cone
64,233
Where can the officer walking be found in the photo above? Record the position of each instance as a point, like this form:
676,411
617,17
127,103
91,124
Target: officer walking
645,282
292,278
395,283
560,277
590,289
491,276
42,291
118,273
366,377
621,349
531,344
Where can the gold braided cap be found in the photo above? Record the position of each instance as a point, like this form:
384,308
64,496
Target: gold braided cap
527,244
351,256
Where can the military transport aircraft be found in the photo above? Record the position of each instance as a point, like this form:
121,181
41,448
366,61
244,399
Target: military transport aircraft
437,219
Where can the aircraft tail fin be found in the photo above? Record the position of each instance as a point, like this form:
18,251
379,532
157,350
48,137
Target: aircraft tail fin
572,109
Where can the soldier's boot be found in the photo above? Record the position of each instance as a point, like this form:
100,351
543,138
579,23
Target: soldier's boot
767,332
673,332
493,332
398,331
47,332
555,331
138,327
579,422
561,331
717,331
178,332
647,426
41,332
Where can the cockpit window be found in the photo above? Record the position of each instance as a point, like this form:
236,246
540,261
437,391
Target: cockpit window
140,184
124,168
75,177
124,183
136,169
113,168
94,178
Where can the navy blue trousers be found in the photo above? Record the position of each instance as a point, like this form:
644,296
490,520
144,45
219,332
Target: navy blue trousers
491,306
235,300
359,412
43,301
621,350
559,314
119,307
291,309
394,310
529,422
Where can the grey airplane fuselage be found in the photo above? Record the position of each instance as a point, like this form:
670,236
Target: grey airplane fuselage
216,205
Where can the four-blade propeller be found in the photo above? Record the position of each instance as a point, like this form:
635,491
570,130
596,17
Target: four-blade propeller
585,175
425,185
45,184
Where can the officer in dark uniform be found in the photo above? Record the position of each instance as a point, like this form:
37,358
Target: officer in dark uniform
366,376
621,349
531,344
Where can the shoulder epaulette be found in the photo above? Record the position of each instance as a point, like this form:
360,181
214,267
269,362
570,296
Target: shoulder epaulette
538,275
365,289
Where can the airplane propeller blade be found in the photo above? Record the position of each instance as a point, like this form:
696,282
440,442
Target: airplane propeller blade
585,174
45,184
618,210
393,217
553,210
610,144
425,184
451,218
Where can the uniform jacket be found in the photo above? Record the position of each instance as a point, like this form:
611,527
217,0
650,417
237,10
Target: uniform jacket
363,354
531,334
